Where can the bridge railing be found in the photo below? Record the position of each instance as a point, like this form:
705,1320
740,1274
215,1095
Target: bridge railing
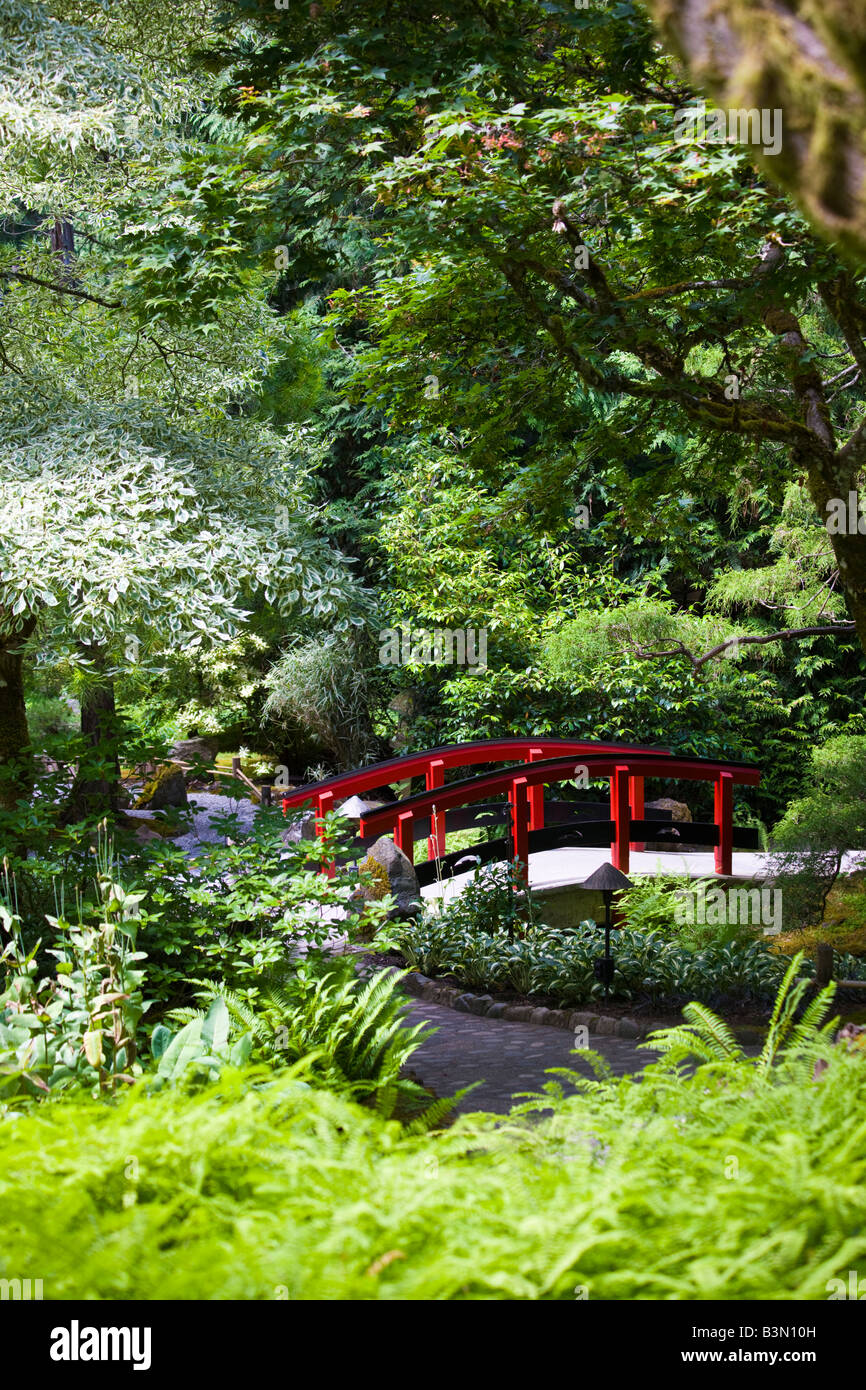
546,762
432,765
626,775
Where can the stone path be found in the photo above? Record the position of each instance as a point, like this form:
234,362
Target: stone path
506,1057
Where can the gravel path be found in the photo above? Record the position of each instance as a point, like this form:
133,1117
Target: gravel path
206,805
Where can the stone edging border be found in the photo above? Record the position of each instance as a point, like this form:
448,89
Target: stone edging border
604,1025
484,1004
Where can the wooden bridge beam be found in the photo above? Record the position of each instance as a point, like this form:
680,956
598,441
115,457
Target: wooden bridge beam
519,801
536,795
636,795
724,818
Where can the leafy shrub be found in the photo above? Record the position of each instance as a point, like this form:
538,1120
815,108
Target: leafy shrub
77,1027
323,686
201,1049
491,901
843,927
238,909
49,715
819,827
708,1037
257,1188
650,905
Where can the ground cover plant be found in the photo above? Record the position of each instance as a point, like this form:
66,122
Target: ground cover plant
478,938
322,324
681,1186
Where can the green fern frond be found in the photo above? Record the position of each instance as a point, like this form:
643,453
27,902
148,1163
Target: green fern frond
812,1026
713,1031
782,1017
679,1043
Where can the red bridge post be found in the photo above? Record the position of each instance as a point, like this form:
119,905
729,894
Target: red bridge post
536,795
403,836
517,796
724,818
436,841
619,814
636,796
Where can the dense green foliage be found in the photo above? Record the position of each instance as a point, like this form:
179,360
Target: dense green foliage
322,321
559,965
487,938
408,288
349,1034
818,827
686,1186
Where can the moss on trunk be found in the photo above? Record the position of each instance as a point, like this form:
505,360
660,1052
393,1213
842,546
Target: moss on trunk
806,59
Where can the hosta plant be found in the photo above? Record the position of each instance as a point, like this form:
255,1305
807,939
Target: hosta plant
201,1049
558,963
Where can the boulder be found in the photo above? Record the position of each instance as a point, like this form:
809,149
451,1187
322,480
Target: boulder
147,828
680,812
193,751
166,788
401,876
302,828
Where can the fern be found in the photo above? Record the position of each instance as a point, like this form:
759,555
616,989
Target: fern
355,1029
714,1030
708,1037
620,1187
784,1008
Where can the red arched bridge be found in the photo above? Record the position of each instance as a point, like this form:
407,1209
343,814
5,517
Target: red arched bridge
530,821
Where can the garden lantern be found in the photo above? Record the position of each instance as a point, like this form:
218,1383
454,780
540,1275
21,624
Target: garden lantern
606,880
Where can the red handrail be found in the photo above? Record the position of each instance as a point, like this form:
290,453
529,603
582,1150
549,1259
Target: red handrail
623,771
493,750
433,762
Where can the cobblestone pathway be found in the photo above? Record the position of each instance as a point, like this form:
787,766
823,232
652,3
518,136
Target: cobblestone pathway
506,1057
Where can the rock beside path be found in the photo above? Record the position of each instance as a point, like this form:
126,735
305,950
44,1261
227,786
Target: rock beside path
401,876
166,788
195,750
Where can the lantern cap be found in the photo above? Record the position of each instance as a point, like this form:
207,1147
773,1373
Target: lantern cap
607,879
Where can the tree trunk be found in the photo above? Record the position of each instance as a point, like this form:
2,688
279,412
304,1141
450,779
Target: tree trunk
95,792
806,59
14,734
830,481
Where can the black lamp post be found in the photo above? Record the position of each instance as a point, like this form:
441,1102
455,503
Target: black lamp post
606,880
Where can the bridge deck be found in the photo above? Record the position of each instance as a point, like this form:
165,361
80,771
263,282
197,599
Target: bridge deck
559,869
